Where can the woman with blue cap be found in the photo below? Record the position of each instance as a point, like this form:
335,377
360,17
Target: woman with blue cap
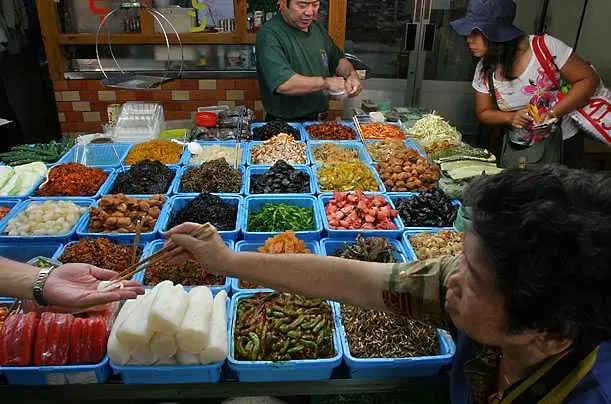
513,89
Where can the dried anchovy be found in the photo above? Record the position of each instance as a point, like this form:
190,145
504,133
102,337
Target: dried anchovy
371,249
433,245
280,147
374,334
281,327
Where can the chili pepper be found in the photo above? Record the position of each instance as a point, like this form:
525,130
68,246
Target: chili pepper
293,334
319,326
256,346
294,350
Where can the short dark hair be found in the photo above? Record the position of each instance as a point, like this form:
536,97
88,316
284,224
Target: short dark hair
546,234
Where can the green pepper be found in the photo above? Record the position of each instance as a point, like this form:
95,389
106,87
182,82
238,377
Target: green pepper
256,346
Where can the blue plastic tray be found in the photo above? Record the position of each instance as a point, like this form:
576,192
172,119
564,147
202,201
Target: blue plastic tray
156,245
358,146
324,199
394,196
86,203
104,188
330,246
350,125
253,246
249,162
173,374
82,229
23,252
302,133
55,375
186,156
168,192
268,371
109,155
183,170
386,368
254,203
7,203
381,187
411,232
258,170
177,203
410,143
60,251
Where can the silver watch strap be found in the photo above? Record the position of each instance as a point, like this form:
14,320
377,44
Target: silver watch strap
39,285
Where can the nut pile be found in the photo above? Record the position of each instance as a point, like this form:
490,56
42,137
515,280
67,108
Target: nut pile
331,131
280,147
121,214
433,245
100,252
408,171
330,152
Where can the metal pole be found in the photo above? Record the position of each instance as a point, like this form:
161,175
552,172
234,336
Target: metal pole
583,15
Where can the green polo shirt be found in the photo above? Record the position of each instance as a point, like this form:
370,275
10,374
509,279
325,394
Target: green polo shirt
282,51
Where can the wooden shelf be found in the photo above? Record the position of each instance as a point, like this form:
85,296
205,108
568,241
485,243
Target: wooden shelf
156,39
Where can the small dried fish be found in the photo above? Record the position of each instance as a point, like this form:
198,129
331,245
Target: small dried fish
375,334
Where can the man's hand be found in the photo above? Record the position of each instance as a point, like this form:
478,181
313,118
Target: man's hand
335,84
76,285
353,85
211,252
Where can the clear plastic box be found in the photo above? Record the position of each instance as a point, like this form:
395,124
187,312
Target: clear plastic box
138,122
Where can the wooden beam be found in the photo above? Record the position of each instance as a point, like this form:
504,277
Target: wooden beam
147,23
49,28
337,21
240,8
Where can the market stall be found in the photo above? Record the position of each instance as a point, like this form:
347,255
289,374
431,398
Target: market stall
360,190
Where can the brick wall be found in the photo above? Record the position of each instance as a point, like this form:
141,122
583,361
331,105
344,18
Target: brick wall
82,104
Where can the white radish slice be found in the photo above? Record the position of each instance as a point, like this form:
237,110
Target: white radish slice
194,332
217,347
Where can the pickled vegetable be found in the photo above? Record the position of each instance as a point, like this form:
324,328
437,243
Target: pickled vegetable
215,176
370,249
381,131
331,131
347,176
277,217
280,147
164,151
331,152
385,148
428,209
408,171
360,212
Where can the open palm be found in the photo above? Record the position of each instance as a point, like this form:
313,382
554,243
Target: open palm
76,285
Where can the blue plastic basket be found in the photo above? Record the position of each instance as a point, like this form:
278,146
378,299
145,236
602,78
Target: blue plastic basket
258,170
249,161
269,371
302,133
186,156
254,203
409,143
381,187
412,232
330,246
253,246
183,170
83,231
156,245
324,199
173,374
23,252
168,191
387,368
358,146
177,203
350,125
55,375
104,188
394,196
17,210
7,203
109,155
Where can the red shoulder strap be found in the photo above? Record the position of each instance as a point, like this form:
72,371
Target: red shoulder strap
545,58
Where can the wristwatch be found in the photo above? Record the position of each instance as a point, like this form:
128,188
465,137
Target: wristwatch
39,285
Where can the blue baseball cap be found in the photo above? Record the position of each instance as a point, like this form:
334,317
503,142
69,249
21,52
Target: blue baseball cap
493,18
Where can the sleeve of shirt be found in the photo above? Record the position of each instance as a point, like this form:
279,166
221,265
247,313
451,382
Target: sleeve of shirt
273,62
417,289
559,50
480,81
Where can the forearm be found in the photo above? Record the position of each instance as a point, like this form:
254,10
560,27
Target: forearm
302,85
353,282
578,96
345,68
16,279
495,117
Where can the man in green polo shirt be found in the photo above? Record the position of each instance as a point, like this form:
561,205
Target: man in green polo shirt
299,65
